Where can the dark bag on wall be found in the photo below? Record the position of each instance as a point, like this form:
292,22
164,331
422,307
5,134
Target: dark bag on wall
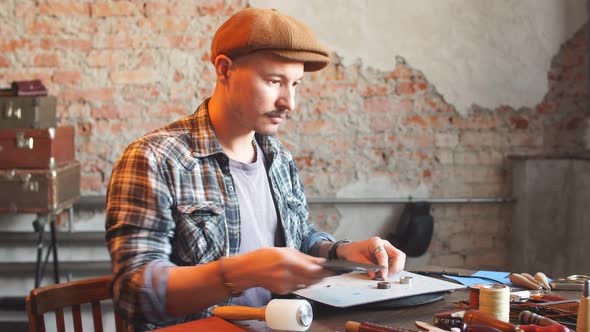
39,190
414,229
36,148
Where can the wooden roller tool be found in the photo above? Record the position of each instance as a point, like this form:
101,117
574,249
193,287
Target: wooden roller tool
279,314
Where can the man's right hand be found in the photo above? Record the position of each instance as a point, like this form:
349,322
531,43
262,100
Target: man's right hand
280,270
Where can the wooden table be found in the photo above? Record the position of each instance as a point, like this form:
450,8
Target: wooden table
333,319
330,319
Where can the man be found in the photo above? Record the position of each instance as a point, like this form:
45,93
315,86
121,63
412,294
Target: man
210,209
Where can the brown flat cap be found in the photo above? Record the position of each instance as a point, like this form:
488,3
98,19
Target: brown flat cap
254,29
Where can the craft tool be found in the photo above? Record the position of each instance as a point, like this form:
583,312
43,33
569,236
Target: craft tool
279,314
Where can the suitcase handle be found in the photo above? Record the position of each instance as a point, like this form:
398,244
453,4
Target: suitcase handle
11,114
24,143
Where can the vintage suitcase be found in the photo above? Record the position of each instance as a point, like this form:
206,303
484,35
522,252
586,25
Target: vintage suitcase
39,190
36,148
25,88
28,112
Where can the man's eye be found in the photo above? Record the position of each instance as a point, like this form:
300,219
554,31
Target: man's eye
274,82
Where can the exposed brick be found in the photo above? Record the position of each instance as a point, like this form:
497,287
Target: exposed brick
141,76
103,59
519,122
92,183
45,60
84,129
575,123
187,42
377,105
41,27
401,72
416,121
446,140
381,123
121,8
64,8
170,8
219,7
94,94
134,93
24,9
4,62
405,88
378,89
481,139
66,44
525,140
319,127
11,45
167,24
66,76
172,110
108,111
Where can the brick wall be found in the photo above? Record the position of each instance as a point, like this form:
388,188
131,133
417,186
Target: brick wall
121,69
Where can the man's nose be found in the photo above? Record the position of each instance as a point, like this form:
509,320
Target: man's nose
286,100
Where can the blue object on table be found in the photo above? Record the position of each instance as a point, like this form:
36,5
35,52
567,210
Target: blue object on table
485,277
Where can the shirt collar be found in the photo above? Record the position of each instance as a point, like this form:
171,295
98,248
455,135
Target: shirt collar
203,139
205,143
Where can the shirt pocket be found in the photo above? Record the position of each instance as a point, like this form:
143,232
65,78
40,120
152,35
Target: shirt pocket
295,223
200,233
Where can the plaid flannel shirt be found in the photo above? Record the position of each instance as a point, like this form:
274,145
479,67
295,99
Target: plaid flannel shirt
171,202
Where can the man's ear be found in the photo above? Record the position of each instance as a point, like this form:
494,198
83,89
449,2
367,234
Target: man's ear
222,65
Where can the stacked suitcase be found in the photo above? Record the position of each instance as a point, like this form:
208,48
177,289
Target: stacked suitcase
38,171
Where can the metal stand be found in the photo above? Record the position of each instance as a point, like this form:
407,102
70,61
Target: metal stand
39,227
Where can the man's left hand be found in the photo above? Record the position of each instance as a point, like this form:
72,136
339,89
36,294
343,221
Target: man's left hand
377,251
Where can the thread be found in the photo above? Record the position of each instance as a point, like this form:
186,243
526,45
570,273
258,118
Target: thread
474,295
494,300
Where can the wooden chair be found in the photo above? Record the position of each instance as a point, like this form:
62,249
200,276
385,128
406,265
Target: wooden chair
70,294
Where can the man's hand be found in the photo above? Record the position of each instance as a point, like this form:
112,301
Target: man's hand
280,270
377,251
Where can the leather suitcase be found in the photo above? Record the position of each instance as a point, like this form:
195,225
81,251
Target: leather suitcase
40,190
36,148
28,112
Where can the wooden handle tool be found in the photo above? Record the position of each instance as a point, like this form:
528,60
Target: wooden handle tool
540,276
279,314
532,279
518,279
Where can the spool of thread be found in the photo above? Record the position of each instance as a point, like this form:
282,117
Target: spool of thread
474,295
494,300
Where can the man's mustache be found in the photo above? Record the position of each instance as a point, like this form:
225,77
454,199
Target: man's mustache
276,113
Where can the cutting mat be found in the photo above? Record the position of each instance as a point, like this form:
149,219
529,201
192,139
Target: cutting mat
356,288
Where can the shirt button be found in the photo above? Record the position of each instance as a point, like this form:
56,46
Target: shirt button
231,188
201,224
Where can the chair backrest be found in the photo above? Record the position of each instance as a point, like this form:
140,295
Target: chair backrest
70,294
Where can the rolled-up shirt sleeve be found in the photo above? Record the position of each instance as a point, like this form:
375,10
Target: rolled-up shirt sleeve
139,225
310,236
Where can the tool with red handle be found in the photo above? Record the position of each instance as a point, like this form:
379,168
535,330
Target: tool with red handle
476,317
